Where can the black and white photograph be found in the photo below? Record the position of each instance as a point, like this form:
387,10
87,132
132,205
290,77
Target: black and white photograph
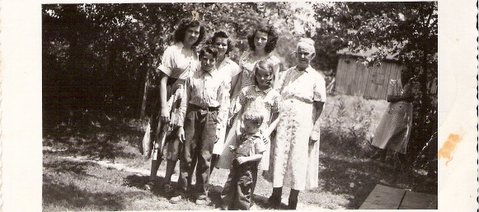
242,106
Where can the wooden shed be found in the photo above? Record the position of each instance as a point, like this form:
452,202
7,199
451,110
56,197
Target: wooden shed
355,78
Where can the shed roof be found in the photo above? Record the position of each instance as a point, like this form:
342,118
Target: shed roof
366,53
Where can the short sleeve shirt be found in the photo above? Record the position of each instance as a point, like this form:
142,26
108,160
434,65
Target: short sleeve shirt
252,97
249,145
179,62
306,85
230,67
207,89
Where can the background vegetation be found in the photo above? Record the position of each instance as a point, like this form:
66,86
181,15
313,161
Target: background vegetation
99,58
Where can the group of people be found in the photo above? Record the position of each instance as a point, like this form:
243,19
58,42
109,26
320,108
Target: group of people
249,117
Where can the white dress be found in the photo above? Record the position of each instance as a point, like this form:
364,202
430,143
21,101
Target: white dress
230,69
294,162
250,97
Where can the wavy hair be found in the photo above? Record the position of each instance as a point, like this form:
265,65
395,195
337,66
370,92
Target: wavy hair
272,37
180,32
222,34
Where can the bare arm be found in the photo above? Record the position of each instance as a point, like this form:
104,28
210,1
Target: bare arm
244,159
318,109
164,103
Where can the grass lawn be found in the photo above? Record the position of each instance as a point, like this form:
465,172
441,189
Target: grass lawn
94,164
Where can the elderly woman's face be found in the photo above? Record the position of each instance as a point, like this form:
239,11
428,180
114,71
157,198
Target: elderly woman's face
304,56
260,40
191,35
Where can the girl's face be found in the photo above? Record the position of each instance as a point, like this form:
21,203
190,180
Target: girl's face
260,40
191,35
264,78
304,56
222,45
208,62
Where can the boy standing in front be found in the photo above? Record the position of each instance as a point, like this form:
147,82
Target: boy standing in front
248,151
207,91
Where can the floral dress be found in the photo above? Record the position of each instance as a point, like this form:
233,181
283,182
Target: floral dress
246,64
250,97
294,162
178,63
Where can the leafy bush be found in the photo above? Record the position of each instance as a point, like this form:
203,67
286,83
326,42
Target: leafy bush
349,122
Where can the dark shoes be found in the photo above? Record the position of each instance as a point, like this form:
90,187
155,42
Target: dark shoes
178,197
292,203
274,202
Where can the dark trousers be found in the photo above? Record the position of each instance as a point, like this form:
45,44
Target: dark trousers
239,187
200,136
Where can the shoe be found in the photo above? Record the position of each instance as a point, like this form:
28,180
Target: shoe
292,204
149,186
203,200
177,198
168,188
274,202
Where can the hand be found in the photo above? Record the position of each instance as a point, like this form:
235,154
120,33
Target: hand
241,160
217,137
181,134
229,122
265,140
232,148
164,116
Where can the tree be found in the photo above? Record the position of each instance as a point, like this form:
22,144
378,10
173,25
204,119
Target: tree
407,31
100,56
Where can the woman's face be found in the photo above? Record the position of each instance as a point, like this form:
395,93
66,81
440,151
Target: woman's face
264,78
222,45
304,56
260,40
191,35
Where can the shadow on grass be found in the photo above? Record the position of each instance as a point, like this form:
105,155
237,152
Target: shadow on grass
70,196
96,136
139,182
68,166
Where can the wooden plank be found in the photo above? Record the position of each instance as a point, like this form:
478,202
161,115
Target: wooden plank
363,80
375,75
415,200
359,79
383,197
369,82
340,76
387,69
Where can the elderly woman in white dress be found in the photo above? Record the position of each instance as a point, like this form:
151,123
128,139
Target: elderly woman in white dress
296,145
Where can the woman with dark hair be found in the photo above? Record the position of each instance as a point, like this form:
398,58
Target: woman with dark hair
231,70
261,43
179,61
